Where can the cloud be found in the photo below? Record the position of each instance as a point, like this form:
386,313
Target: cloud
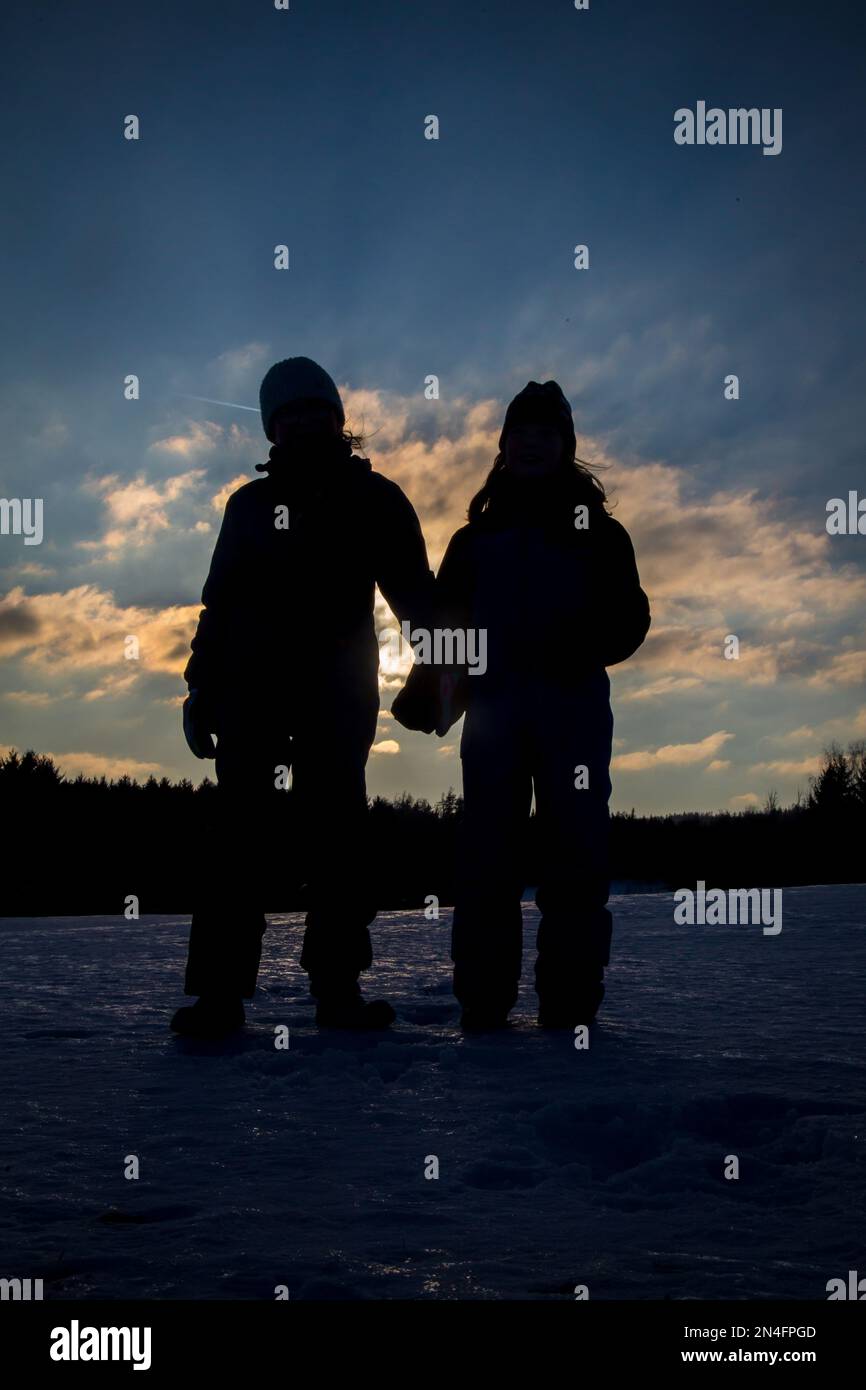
789,768
234,368
730,562
840,727
219,499
803,734
138,510
38,699
739,803
671,754
388,746
734,563
713,564
118,684
210,443
202,437
438,451
19,624
84,630
32,569
665,685
846,668
51,436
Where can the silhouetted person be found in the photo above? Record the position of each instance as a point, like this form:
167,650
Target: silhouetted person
284,671
557,592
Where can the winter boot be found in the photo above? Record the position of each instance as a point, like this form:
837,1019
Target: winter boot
486,992
211,1016
569,1010
343,1006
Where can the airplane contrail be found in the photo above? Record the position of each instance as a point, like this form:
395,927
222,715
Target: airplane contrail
232,405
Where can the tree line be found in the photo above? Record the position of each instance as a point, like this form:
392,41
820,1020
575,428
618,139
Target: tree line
85,844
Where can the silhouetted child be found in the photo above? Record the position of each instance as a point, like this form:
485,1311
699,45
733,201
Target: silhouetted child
284,671
550,577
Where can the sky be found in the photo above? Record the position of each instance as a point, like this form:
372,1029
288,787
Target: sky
454,257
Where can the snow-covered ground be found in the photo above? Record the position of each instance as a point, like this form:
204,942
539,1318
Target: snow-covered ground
262,1167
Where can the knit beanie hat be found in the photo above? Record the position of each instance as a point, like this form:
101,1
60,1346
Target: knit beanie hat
296,379
542,403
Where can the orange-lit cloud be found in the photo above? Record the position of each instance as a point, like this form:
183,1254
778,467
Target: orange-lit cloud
137,510
730,563
84,629
744,800
200,438
671,754
788,767
388,746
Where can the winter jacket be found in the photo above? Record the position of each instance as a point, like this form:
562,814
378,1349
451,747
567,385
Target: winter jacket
555,602
290,608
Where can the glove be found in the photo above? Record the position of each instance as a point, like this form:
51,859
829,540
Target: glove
196,726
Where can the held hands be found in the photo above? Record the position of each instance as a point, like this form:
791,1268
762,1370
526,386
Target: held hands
426,702
196,726
416,705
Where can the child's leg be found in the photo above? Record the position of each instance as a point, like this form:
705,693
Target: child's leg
487,934
573,733
228,922
331,812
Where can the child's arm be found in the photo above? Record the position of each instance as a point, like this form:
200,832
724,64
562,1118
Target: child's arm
432,700
404,576
403,571
454,587
206,644
621,612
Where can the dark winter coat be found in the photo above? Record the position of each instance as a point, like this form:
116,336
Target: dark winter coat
557,603
290,610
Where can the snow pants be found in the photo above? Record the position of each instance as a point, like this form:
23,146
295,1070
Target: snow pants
327,834
538,735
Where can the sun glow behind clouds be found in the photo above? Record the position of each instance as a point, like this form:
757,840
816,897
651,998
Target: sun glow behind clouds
711,565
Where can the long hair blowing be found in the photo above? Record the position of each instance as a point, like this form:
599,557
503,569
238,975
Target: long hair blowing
580,482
